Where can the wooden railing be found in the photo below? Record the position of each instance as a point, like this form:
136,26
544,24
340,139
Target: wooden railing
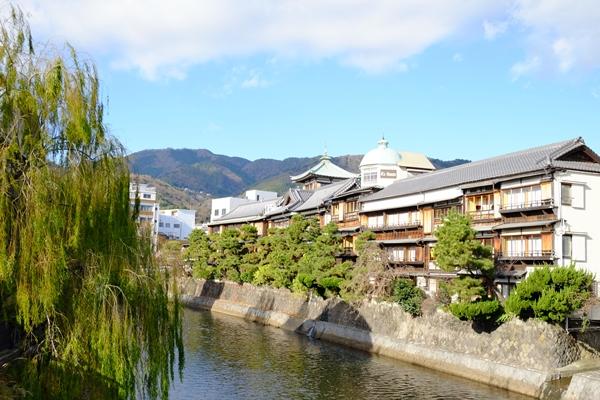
546,203
527,254
396,235
481,215
529,218
403,225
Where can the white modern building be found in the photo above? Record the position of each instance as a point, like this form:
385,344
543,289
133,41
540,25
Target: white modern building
176,224
224,205
148,206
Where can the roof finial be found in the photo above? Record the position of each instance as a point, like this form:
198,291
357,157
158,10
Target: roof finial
325,156
383,143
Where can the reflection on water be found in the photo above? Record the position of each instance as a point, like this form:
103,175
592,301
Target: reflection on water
227,358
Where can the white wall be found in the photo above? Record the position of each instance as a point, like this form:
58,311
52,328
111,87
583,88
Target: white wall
581,219
224,205
260,195
177,223
412,200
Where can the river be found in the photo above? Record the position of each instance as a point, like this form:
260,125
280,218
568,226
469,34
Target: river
229,358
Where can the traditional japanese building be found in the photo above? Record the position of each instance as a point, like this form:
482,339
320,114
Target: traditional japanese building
324,173
533,206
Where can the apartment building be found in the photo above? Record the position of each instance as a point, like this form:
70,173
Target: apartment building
176,224
148,207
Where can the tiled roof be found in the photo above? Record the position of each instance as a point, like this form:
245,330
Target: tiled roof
324,168
246,212
530,224
578,165
520,162
324,193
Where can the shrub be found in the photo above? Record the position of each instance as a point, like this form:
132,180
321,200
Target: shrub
466,288
443,295
550,293
203,271
303,282
484,312
330,285
409,296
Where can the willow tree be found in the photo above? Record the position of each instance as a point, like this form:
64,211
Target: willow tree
78,281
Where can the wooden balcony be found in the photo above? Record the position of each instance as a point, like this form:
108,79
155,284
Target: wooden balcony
389,227
478,216
348,217
527,206
527,255
395,235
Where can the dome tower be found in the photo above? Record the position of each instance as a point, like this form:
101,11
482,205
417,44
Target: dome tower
380,166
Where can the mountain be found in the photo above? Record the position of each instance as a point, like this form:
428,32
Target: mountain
214,175
173,197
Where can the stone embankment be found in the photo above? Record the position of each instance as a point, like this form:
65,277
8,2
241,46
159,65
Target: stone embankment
524,357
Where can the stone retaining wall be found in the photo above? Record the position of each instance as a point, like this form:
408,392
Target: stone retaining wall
518,356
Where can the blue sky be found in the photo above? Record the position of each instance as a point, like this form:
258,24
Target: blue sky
449,79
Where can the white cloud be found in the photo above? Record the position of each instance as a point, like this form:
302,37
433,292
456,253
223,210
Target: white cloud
524,67
457,57
562,34
164,38
254,80
491,30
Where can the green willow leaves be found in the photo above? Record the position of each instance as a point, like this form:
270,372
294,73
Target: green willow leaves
78,282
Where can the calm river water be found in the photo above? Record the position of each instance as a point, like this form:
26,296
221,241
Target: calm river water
229,358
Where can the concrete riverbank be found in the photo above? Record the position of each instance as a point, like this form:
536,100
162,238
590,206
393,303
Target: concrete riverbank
524,357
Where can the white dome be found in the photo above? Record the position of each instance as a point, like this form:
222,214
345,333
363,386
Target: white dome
382,155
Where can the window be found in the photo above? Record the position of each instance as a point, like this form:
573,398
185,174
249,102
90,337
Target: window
223,211
567,246
528,196
350,206
370,175
146,208
375,221
396,254
216,213
439,214
167,225
481,206
412,254
160,225
176,226
147,196
393,219
565,194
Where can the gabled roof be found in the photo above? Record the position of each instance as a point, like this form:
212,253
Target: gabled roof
324,168
324,193
415,160
520,162
246,212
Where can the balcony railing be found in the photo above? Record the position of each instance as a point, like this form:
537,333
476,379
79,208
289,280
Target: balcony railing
481,215
527,254
349,216
535,204
391,227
